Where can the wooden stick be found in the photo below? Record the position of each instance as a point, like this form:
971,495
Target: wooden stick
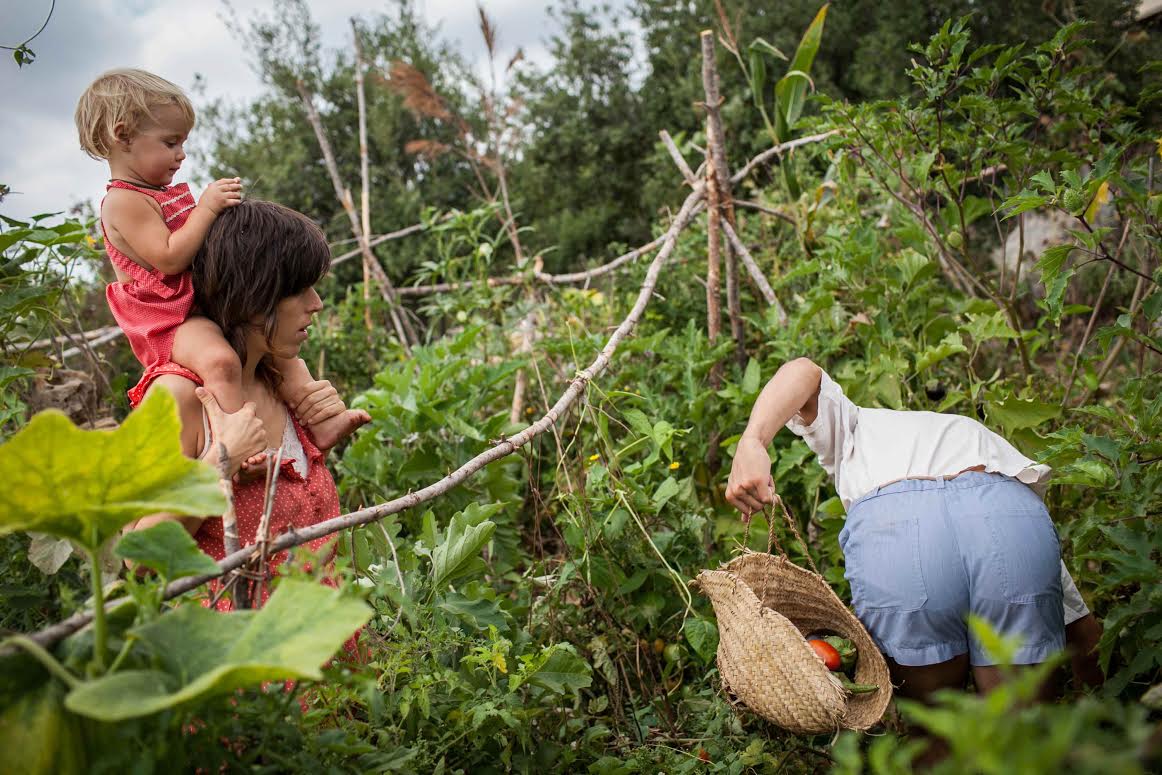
716,161
543,277
778,151
364,175
762,208
678,158
756,274
403,327
713,261
502,449
380,239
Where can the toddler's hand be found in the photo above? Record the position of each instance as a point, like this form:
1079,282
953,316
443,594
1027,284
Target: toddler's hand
317,401
221,194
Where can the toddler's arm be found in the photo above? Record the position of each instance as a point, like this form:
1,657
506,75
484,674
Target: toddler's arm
142,232
317,404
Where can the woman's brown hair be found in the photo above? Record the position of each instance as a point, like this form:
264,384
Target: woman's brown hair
255,255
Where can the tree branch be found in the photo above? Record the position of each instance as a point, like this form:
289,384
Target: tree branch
503,449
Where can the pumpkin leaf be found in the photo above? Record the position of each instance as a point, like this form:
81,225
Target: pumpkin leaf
86,485
168,549
202,653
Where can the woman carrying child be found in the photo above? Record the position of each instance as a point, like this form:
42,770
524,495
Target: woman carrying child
255,277
138,123
942,521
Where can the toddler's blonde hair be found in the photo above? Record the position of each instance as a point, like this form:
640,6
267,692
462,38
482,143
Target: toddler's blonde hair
124,96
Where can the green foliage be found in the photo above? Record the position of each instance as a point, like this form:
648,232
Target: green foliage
168,549
37,262
537,618
86,485
200,653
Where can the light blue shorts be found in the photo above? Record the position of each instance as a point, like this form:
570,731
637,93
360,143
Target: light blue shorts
921,554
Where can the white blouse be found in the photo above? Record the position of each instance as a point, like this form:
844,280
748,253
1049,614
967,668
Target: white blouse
862,448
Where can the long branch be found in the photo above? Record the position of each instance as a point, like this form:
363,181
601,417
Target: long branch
756,274
403,327
691,207
503,449
543,277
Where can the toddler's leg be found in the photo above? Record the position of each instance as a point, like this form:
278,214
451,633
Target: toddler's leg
317,404
200,347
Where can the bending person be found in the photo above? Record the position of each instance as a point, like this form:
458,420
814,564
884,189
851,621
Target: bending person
942,521
255,276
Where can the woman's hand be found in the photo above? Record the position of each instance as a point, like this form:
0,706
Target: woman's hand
750,487
241,433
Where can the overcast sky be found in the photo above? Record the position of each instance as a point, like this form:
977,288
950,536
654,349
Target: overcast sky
178,39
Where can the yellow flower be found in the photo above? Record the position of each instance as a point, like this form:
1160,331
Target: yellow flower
499,661
594,458
91,240
675,465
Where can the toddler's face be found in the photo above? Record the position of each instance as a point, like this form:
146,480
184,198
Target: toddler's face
156,152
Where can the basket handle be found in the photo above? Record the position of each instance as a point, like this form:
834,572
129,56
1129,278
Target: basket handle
772,539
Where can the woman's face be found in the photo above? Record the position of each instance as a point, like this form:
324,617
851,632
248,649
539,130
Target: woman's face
292,317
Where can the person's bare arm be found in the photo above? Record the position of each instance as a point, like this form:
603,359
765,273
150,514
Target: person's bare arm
138,228
242,433
794,389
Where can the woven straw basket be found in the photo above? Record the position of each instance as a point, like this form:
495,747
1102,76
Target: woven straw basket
765,606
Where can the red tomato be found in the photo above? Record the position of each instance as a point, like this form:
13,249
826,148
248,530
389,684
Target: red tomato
826,652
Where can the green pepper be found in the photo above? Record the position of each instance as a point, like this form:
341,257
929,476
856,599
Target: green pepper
847,652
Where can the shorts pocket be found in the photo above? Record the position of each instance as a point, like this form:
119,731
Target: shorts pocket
883,565
1026,554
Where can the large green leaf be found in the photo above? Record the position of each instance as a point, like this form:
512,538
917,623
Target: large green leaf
791,90
702,635
37,735
558,669
1016,413
933,354
168,549
458,553
202,653
86,485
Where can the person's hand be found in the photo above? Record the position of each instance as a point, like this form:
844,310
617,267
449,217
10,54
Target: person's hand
750,487
221,194
242,433
317,401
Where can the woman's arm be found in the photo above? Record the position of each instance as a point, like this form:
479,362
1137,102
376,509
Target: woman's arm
793,390
242,434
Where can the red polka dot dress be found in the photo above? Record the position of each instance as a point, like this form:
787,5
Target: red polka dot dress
150,307
300,501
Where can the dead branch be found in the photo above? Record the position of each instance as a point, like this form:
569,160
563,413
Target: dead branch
364,175
403,327
508,446
542,277
777,152
678,158
756,274
415,228
718,167
762,208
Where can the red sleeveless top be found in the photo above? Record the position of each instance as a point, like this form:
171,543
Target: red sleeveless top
151,306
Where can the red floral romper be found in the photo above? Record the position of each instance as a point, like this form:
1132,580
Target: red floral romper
151,307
